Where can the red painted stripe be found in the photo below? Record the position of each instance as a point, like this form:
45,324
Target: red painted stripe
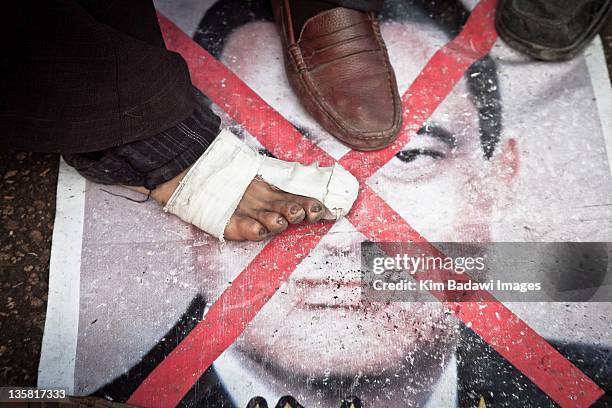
227,318
445,68
169,382
530,353
232,95
496,324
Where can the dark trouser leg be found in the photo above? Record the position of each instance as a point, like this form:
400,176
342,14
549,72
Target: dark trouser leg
76,84
134,18
95,76
156,159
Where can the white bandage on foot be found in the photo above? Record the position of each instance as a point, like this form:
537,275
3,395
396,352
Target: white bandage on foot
210,192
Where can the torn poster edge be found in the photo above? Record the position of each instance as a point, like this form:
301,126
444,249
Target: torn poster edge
59,344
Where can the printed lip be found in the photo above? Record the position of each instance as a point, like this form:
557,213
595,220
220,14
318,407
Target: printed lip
319,294
338,283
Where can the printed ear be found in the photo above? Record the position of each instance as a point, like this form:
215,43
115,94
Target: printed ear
505,166
506,162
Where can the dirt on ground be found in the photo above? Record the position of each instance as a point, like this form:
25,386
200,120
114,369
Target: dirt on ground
27,209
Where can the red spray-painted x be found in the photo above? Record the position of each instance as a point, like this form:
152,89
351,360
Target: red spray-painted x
225,321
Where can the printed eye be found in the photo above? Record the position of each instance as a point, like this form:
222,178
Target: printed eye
410,155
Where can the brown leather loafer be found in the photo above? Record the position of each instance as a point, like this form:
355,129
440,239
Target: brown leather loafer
339,68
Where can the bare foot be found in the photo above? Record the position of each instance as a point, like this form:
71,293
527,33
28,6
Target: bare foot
265,210
262,211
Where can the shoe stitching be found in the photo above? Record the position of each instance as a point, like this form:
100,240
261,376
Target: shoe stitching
338,43
339,123
323,14
333,32
326,63
320,102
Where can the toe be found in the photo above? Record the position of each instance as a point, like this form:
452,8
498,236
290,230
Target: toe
273,221
314,209
241,228
291,210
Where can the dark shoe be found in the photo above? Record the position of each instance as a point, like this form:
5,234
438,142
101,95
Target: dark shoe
351,402
288,402
550,30
339,68
257,402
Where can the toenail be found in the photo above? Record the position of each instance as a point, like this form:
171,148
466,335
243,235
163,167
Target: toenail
262,232
316,208
294,209
280,221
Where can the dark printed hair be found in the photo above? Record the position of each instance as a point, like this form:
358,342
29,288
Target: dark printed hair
225,16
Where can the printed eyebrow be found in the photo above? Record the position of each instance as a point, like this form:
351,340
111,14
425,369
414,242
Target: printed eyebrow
440,133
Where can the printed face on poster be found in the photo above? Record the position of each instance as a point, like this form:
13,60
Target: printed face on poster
510,154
